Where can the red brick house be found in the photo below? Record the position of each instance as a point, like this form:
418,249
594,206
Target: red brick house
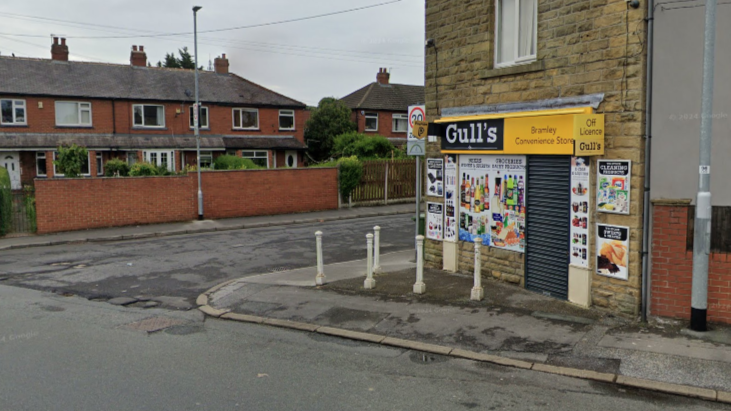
138,113
381,107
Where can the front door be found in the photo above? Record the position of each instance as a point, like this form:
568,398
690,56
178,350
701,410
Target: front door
11,161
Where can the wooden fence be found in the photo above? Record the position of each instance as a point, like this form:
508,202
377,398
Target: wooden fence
386,182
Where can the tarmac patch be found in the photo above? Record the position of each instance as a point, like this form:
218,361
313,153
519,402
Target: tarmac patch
153,324
351,319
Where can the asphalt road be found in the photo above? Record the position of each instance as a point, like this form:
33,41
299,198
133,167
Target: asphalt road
175,270
60,353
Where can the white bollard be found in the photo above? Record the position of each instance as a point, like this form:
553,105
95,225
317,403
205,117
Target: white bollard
419,286
369,283
377,249
477,291
320,278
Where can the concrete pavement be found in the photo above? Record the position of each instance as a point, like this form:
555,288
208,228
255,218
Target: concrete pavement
192,227
510,327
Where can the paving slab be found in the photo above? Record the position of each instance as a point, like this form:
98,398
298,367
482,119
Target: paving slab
677,345
668,388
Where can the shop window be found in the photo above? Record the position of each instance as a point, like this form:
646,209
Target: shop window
515,34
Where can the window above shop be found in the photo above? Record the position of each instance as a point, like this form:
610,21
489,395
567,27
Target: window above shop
515,34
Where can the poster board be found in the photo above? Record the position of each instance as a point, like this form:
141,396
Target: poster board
612,251
435,177
492,200
580,215
451,197
613,186
434,221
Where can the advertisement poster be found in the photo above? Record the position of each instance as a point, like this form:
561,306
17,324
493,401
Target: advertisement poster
612,251
434,216
580,215
613,182
492,200
435,177
450,198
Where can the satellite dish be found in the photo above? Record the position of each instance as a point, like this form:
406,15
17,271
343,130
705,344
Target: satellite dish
188,93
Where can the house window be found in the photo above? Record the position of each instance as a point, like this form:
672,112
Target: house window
206,159
371,121
41,170
70,113
147,115
400,123
99,164
246,118
286,119
202,117
131,158
260,158
13,112
160,158
515,34
84,166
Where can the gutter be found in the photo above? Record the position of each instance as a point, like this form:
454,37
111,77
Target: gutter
648,151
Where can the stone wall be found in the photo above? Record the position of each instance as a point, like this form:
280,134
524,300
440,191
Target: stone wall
584,47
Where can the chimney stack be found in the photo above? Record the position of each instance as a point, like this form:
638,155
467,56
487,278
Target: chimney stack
220,64
383,76
59,52
138,57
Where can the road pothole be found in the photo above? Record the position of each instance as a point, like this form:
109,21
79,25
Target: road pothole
426,358
154,324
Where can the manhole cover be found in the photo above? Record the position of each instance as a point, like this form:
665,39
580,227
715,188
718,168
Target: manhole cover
154,324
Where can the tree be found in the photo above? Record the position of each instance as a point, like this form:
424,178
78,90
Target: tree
363,146
331,118
185,60
70,160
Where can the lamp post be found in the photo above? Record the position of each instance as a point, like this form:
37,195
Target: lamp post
196,115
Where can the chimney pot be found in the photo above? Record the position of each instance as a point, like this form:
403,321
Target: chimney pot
59,52
63,41
223,56
142,48
134,48
55,40
383,76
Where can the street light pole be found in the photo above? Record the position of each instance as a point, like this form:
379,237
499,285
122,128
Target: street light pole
196,115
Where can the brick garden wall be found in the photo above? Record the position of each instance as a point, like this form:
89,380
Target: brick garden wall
85,203
672,269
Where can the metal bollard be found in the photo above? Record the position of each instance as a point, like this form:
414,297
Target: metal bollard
477,291
369,283
419,286
377,249
320,278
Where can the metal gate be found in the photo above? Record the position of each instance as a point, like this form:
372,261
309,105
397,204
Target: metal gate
548,225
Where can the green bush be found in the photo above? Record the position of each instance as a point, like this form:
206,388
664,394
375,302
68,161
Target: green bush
116,167
229,162
30,206
363,146
143,169
351,171
70,160
6,202
162,170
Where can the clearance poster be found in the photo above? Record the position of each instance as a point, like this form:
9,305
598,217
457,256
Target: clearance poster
492,192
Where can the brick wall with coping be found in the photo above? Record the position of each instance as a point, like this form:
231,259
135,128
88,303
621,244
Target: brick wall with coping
672,267
583,47
85,203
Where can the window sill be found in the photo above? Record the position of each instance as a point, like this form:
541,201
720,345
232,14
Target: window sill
398,131
79,126
14,125
149,128
511,70
201,129
370,131
287,129
245,129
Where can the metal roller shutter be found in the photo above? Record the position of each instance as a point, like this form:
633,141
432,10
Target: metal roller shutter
548,225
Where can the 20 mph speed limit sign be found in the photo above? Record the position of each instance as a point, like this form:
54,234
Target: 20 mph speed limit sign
416,113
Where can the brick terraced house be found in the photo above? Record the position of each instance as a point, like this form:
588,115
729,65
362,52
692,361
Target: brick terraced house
381,107
138,113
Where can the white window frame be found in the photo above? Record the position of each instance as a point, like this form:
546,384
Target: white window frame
371,115
41,155
237,112
79,110
15,104
200,119
99,164
209,155
404,117
157,163
88,166
266,155
286,113
516,45
143,115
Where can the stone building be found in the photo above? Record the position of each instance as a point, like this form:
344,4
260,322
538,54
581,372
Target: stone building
512,90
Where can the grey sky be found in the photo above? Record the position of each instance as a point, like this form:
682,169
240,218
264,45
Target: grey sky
350,47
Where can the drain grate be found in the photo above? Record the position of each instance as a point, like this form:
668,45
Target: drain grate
153,324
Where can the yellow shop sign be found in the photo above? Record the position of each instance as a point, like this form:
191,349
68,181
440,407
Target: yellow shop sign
545,133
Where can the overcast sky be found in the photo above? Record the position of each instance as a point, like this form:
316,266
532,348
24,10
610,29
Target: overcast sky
305,60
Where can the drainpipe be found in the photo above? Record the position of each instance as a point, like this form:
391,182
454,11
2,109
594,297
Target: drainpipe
648,148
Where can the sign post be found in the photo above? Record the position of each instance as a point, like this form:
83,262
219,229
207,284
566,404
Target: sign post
415,146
